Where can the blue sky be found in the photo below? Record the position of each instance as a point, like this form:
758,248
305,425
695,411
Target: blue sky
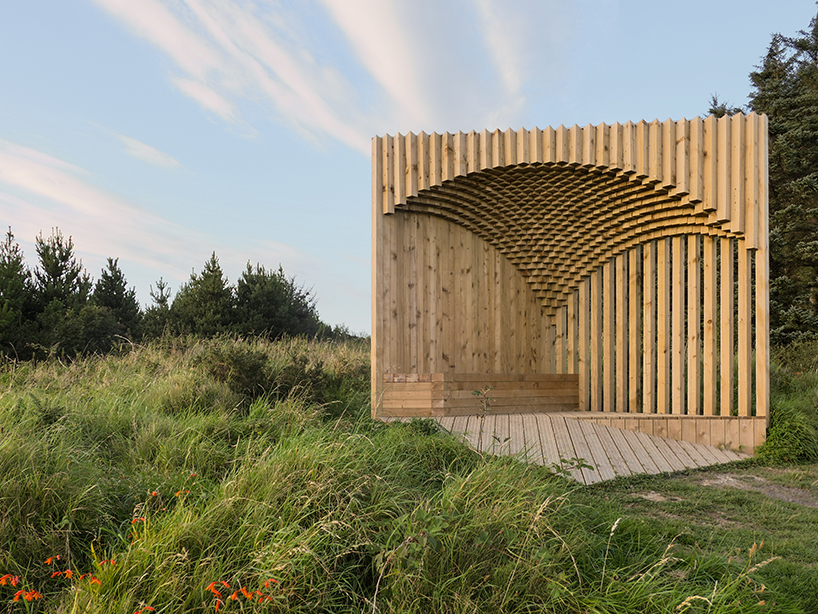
159,131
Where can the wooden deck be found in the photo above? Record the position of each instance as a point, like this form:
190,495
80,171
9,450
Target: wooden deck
553,438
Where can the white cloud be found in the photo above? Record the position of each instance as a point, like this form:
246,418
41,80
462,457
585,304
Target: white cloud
386,47
229,53
502,34
36,187
146,153
348,69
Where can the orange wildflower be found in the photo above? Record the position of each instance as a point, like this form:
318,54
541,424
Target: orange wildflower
270,581
247,594
51,559
234,596
31,595
135,520
154,494
9,579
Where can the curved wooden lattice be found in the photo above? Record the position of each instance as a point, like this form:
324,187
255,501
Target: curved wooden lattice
606,252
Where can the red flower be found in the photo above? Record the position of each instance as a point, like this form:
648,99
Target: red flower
154,494
9,579
135,520
212,587
270,581
31,595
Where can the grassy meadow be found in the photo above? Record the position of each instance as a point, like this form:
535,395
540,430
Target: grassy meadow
247,476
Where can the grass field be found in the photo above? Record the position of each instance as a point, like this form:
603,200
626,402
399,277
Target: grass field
247,476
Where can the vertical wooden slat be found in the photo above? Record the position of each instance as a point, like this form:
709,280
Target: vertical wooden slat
669,154
696,160
663,331
378,284
751,183
588,146
710,167
682,157
596,339
399,168
693,326
634,329
710,351
726,328
571,355
412,307
559,347
737,180
723,189
523,145
744,351
656,167
584,333
762,282
621,333
649,328
424,158
608,336
677,326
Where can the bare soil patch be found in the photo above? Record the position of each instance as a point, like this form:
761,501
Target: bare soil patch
762,485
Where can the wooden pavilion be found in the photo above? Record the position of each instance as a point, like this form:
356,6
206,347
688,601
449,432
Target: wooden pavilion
616,272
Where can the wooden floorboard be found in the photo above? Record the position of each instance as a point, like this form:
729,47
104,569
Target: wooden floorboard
552,439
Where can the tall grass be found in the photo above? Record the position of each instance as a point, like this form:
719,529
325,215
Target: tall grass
255,465
793,432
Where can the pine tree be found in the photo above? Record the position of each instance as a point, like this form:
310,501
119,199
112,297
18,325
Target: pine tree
271,304
59,276
156,320
786,89
111,292
16,327
204,306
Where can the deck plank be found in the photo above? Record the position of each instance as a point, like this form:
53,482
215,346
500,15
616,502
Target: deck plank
447,422
642,455
665,465
599,458
549,438
533,446
673,454
516,434
615,456
630,457
565,447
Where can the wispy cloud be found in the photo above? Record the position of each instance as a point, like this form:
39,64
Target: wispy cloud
347,69
227,53
146,153
35,186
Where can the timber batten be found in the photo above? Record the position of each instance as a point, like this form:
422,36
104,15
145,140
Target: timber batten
633,257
